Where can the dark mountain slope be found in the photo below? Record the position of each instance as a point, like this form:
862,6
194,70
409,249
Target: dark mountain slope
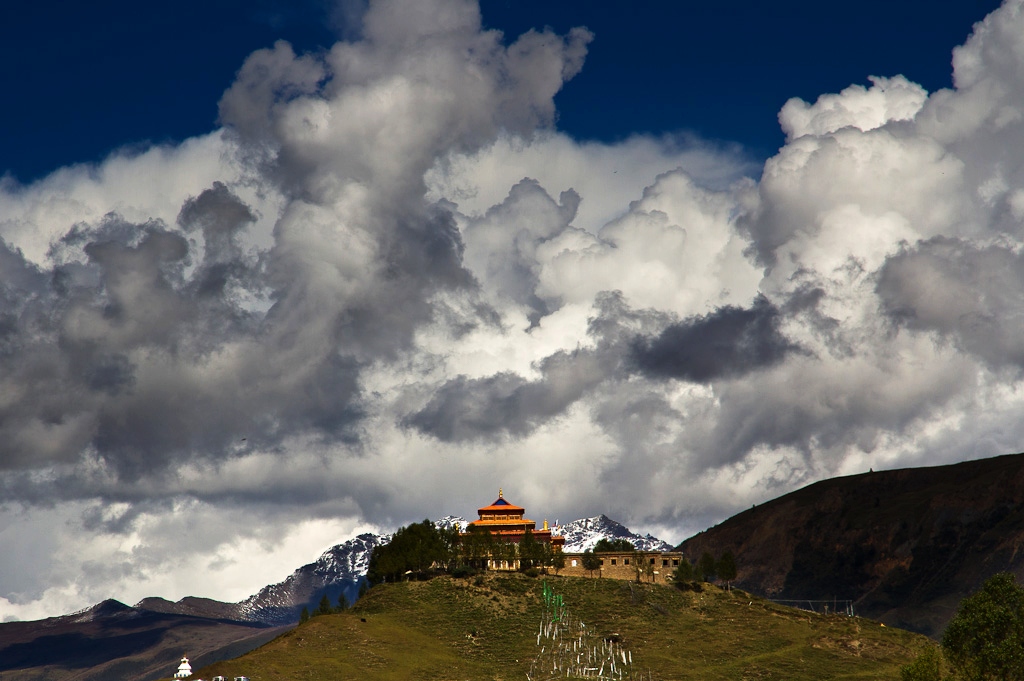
906,545
190,605
112,641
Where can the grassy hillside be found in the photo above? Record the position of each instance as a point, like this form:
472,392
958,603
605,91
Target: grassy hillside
460,629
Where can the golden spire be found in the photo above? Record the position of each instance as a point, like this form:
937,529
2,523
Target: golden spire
499,493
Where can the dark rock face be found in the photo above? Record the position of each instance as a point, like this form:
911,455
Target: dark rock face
905,545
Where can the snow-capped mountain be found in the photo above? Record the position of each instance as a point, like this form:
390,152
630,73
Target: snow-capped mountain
581,535
339,570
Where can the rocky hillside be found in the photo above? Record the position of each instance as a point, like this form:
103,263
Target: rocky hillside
905,545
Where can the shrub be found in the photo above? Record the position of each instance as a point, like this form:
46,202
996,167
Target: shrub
464,572
985,639
605,545
927,667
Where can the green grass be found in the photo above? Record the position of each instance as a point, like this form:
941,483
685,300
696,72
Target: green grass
454,629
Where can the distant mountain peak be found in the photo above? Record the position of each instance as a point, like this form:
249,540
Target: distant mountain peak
102,610
338,570
451,521
581,535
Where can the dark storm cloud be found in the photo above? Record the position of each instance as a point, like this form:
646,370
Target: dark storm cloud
964,292
506,404
729,342
107,353
220,216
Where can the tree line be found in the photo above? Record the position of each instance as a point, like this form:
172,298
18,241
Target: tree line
422,549
325,607
706,569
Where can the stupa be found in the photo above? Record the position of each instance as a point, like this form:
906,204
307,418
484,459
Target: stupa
184,669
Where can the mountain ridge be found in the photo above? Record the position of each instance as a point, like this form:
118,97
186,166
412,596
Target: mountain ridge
904,545
111,641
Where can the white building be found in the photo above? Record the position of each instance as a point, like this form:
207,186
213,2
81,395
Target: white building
184,669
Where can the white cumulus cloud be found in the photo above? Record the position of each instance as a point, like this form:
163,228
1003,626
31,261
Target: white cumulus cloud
387,285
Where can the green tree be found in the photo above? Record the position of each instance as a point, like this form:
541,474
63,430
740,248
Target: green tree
985,639
476,546
927,667
706,567
618,545
649,568
591,561
683,573
304,617
638,565
452,549
557,560
324,608
413,549
546,554
342,603
726,568
504,552
364,588
530,551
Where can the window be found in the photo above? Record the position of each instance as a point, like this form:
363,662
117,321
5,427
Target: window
675,562
626,562
664,562
602,561
613,561
652,561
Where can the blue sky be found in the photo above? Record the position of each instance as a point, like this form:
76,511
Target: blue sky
87,78
660,264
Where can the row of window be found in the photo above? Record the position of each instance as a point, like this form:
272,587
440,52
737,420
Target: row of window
625,561
664,562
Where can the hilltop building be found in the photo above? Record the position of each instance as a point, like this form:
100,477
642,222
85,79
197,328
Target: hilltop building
655,567
184,669
505,521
